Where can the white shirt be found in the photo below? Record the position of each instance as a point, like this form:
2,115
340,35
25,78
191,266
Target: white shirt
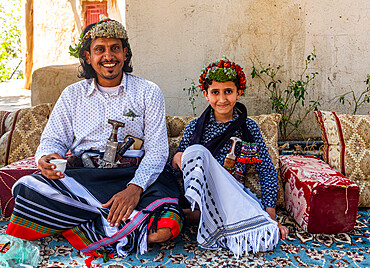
79,122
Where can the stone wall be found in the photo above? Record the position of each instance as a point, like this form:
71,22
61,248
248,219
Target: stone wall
57,25
54,30
48,82
173,40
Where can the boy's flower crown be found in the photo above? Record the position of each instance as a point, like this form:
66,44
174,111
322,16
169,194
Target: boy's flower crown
105,27
222,71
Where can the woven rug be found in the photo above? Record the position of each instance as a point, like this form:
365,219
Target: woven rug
301,249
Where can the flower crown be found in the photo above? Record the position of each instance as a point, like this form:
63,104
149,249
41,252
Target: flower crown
222,71
105,27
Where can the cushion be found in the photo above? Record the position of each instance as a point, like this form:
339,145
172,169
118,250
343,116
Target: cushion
21,131
268,124
318,197
8,176
347,147
175,129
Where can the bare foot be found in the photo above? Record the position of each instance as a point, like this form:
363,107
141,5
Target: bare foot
192,217
162,235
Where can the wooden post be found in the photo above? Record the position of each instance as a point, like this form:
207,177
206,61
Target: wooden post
29,43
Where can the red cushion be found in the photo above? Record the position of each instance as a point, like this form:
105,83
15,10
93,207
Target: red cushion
318,197
8,176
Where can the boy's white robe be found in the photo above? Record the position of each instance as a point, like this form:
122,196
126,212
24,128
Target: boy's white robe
230,218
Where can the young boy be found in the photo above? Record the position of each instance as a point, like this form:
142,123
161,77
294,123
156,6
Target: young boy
230,215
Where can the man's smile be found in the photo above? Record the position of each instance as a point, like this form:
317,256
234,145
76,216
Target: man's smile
109,64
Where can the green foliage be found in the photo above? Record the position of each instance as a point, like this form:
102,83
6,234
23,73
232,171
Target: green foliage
75,50
192,93
357,101
10,41
286,100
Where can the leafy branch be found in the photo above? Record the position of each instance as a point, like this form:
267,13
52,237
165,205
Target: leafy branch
285,101
10,42
192,93
363,98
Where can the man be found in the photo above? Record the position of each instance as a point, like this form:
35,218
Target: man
94,208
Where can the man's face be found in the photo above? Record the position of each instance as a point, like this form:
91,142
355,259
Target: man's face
107,58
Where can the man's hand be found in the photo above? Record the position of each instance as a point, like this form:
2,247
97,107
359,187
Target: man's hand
283,231
122,204
47,169
176,161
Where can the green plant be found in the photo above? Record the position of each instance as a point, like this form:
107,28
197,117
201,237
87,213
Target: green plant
360,100
286,99
10,41
192,93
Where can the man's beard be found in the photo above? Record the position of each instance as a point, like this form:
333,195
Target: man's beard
111,71
110,77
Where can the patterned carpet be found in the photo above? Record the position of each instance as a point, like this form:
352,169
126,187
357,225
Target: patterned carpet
301,249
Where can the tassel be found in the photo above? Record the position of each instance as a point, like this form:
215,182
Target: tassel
249,153
240,245
102,253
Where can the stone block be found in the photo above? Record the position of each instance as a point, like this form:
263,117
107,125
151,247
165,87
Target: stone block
48,82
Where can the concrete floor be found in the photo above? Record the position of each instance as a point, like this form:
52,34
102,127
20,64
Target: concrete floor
13,96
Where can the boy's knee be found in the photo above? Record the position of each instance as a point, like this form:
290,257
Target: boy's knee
161,235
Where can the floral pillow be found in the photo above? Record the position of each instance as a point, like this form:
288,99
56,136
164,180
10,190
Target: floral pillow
346,148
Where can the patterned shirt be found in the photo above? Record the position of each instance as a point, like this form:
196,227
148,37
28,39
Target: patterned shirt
79,122
266,171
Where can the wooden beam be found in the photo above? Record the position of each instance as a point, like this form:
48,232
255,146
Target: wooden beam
29,43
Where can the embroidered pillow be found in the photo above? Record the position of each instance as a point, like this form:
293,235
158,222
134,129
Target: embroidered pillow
21,131
347,147
268,124
175,129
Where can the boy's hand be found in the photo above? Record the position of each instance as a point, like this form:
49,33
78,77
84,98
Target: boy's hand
47,169
176,161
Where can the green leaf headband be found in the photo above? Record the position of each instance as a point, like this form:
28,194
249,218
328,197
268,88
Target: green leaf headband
106,27
221,71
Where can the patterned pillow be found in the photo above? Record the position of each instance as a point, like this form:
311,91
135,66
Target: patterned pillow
347,147
268,125
21,131
175,129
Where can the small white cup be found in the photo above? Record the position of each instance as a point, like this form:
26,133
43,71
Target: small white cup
60,164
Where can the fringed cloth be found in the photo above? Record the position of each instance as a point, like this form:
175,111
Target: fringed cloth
230,218
73,206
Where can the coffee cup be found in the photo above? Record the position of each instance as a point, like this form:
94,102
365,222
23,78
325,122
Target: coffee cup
60,164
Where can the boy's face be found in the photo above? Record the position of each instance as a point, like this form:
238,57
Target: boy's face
222,97
107,58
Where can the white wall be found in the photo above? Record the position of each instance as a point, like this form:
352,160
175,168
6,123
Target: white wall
173,40
55,29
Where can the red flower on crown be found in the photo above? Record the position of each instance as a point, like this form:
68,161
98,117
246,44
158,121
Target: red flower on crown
224,63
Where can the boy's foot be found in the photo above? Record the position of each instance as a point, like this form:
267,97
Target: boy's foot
192,217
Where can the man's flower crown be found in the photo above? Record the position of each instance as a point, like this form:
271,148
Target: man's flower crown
105,27
222,71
